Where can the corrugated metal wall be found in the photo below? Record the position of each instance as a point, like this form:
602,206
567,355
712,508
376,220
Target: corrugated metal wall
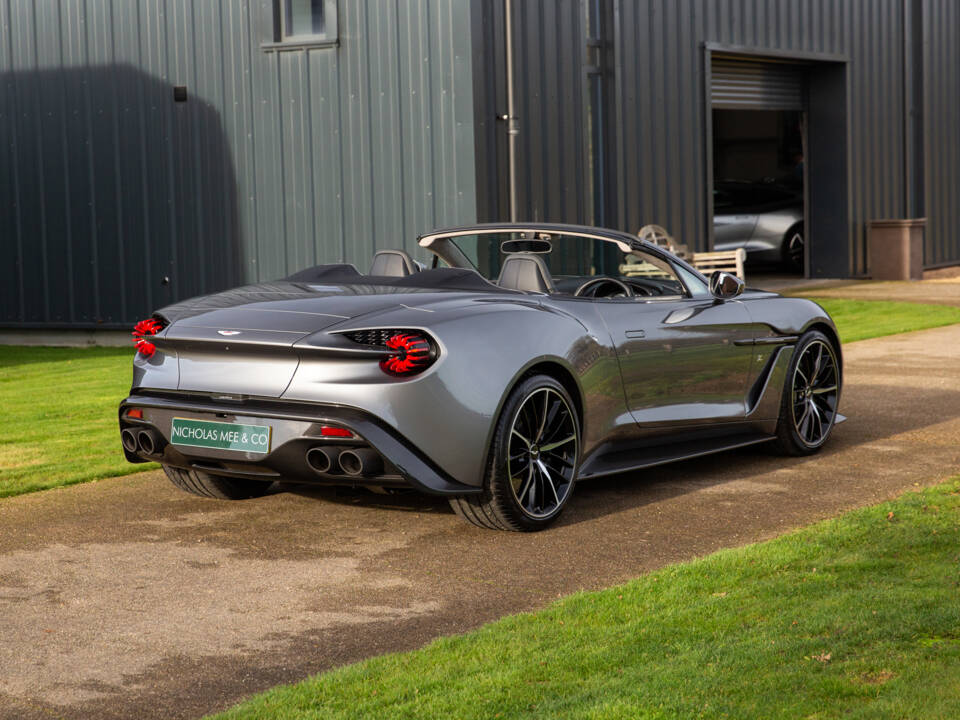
662,90
941,129
277,161
552,161
660,112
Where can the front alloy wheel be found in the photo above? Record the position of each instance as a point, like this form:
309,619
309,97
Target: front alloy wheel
809,407
533,463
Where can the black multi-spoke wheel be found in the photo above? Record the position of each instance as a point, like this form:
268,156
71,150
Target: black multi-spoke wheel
809,407
542,452
533,460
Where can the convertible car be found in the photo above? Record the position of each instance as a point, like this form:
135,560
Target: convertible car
524,359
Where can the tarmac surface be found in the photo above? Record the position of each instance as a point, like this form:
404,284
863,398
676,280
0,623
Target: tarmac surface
127,598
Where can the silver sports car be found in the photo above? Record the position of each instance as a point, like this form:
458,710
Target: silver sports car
765,219
526,358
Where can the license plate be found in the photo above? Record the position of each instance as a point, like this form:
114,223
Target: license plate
220,435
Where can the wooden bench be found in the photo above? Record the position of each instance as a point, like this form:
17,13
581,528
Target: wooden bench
642,269
727,260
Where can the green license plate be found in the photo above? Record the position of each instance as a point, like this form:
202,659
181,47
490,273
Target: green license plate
220,435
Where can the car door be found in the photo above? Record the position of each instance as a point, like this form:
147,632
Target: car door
683,361
733,223
733,231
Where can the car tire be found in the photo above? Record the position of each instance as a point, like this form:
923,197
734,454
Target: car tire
544,461
811,393
204,484
792,248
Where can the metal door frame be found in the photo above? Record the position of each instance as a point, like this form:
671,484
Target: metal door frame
838,217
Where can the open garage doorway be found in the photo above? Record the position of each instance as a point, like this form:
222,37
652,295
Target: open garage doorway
777,159
758,187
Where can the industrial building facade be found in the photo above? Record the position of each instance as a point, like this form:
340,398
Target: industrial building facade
159,149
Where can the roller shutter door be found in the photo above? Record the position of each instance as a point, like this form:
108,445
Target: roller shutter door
752,85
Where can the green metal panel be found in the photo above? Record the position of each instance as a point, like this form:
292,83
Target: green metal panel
115,199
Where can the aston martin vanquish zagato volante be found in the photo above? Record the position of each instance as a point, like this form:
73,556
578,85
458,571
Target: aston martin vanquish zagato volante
518,360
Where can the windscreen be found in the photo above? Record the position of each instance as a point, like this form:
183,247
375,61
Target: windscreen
571,259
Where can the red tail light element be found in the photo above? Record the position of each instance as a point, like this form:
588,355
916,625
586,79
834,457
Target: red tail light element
142,329
330,431
411,354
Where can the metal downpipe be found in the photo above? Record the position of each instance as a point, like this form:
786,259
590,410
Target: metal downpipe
513,124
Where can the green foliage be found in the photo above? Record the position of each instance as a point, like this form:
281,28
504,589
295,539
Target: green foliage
863,319
60,416
857,617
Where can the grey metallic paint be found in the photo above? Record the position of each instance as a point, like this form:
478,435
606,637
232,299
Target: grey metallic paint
762,235
695,372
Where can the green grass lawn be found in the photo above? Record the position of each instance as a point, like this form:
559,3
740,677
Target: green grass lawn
856,617
863,319
59,409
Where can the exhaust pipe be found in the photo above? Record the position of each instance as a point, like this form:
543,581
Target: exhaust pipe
362,461
129,440
149,442
321,459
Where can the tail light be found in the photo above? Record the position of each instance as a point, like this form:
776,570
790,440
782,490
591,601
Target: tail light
407,352
143,329
411,354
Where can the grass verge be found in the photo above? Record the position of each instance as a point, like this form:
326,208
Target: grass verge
60,416
864,319
856,617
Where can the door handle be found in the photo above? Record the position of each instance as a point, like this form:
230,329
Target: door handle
636,334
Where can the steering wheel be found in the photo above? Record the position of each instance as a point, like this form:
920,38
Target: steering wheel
597,285
642,290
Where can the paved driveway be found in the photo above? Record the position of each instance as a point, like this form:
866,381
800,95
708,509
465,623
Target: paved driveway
128,599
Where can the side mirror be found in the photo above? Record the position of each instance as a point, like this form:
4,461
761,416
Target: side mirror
724,285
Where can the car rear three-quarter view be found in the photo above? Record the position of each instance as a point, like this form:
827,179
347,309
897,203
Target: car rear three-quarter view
520,360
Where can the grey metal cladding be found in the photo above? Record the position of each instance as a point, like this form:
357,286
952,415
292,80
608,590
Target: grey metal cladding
940,118
741,85
658,108
662,86
549,58
276,161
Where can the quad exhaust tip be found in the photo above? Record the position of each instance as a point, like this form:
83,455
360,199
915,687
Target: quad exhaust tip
321,459
148,442
350,461
129,440
362,461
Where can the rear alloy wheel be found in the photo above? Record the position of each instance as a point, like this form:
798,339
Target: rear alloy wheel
808,409
533,460
793,248
204,484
